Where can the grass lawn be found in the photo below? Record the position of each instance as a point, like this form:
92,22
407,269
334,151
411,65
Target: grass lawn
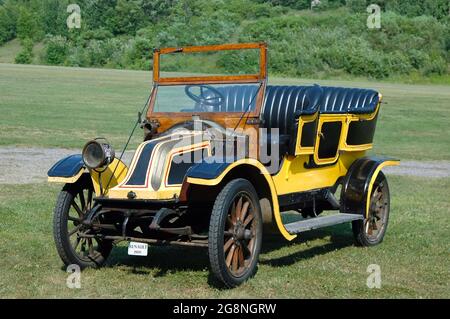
414,258
64,107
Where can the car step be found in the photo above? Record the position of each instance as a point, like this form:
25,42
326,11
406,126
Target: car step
320,222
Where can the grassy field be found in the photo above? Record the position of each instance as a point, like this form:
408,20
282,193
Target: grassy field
9,51
64,107
414,258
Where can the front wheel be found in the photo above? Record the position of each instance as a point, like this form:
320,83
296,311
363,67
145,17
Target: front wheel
370,231
235,233
73,203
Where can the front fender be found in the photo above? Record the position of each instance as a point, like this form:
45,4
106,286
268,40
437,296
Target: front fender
207,173
211,174
67,170
357,185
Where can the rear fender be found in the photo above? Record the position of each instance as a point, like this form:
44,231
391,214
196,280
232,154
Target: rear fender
358,183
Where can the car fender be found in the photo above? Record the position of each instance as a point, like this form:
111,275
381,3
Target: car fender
70,169
211,174
67,170
358,183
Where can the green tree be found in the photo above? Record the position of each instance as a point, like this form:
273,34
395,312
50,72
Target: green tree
294,4
98,14
53,14
357,5
8,21
156,10
26,25
129,16
413,8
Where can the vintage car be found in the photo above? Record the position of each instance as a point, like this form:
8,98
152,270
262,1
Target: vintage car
224,159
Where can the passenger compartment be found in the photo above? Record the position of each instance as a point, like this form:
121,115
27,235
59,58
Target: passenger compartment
312,120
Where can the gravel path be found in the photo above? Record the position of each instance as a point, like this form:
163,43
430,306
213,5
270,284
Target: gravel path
20,165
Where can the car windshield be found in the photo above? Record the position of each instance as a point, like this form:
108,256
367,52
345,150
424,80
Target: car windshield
206,98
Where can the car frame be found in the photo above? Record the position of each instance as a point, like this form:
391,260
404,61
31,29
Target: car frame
225,193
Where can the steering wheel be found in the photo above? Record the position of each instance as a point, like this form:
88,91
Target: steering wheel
209,96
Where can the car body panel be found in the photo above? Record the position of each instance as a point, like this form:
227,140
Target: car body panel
67,167
149,174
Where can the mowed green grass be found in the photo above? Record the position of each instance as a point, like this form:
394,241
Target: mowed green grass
64,107
414,257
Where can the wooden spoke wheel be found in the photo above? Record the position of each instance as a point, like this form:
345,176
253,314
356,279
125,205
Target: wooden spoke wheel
371,230
239,235
74,202
235,233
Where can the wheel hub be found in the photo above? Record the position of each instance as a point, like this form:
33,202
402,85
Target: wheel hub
239,232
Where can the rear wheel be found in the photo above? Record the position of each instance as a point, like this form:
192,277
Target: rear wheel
371,230
74,202
235,233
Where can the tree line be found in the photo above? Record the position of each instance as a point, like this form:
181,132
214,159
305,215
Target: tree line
330,39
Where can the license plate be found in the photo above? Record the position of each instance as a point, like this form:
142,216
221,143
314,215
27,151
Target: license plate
137,249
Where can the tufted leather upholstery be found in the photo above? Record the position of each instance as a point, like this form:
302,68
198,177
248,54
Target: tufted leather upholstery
237,98
345,100
283,104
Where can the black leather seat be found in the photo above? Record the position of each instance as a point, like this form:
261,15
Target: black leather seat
282,101
284,104
237,98
336,100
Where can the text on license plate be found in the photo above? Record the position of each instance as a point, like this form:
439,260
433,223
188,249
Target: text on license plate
137,249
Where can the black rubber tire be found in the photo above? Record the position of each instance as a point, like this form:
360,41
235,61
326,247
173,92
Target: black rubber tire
217,228
358,226
60,231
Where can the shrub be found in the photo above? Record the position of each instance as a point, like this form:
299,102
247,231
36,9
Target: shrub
98,34
139,53
25,56
56,49
357,5
436,8
247,9
109,52
244,62
435,65
294,4
397,63
76,57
